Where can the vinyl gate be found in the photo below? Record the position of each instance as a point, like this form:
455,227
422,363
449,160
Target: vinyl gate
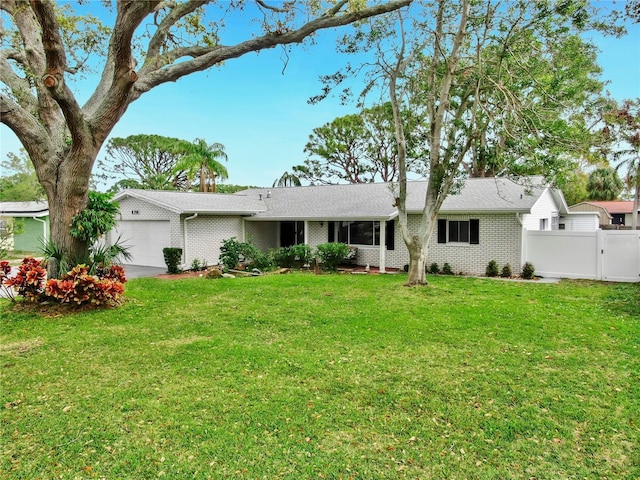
611,255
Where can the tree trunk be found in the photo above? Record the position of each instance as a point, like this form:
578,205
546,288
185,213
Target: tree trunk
67,196
417,259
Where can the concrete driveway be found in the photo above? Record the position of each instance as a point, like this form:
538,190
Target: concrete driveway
137,271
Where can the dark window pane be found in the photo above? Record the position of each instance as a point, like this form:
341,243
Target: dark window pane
390,235
474,232
458,231
454,232
464,232
343,232
361,233
442,231
332,232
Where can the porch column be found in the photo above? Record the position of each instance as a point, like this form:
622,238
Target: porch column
383,244
306,232
244,230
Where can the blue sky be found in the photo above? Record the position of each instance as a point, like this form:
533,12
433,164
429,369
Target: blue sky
261,114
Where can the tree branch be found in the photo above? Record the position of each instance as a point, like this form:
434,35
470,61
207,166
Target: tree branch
55,66
219,53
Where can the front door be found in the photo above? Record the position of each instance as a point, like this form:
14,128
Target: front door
291,233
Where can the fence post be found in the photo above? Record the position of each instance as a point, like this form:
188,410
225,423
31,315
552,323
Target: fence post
599,253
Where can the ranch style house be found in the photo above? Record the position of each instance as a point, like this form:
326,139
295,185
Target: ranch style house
484,221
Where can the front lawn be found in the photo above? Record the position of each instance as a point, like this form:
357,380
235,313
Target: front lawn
334,376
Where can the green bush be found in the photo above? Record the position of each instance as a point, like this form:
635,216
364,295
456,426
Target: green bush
98,218
492,269
283,257
230,253
172,257
446,269
302,253
506,271
434,268
233,252
331,255
528,271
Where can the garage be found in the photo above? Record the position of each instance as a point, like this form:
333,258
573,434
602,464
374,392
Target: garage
145,240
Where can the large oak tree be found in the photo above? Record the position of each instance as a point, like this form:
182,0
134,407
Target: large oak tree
43,47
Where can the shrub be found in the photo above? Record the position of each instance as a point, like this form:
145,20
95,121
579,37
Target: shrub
492,269
506,271
172,257
331,254
283,257
253,257
233,252
434,268
528,271
98,218
302,253
446,269
5,271
230,253
78,287
197,265
28,281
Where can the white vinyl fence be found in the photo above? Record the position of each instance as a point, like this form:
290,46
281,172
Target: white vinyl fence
611,255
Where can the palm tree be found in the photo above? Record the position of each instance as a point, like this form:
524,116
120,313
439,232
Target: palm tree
202,159
604,184
287,180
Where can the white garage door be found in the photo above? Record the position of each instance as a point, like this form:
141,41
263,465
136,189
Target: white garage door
145,240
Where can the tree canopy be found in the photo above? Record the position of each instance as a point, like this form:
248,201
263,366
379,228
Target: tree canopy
356,148
147,44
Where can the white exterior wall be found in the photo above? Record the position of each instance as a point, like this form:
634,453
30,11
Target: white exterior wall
545,207
500,240
264,235
580,223
205,234
628,219
148,211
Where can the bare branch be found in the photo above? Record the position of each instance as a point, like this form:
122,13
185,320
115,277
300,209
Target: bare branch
219,53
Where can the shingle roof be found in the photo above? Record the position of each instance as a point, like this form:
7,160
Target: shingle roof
24,209
375,200
353,202
196,202
617,206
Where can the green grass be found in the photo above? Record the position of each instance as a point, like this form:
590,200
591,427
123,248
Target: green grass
335,376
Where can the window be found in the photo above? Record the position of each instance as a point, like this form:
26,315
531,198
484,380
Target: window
617,219
459,231
543,223
361,233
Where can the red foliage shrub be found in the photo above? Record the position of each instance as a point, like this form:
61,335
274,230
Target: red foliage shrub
29,280
78,287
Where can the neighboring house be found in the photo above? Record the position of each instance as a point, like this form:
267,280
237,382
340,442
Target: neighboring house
484,222
33,221
611,213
